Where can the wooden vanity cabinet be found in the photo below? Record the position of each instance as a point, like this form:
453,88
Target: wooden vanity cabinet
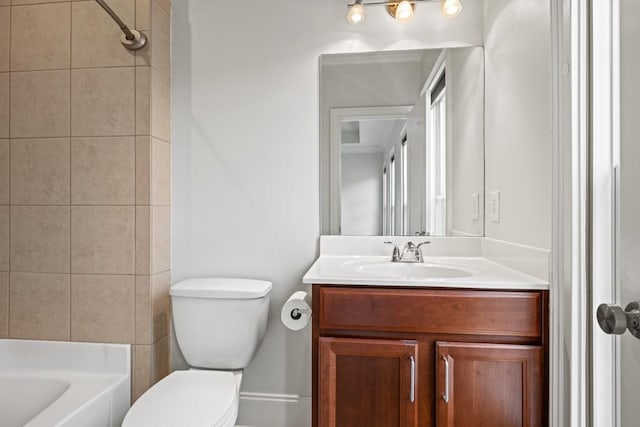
478,357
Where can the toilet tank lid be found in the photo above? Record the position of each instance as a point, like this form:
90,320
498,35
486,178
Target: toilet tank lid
221,288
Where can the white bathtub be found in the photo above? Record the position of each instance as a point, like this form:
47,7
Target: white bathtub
61,384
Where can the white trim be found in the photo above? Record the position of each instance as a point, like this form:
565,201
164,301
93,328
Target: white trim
272,409
433,167
568,327
558,400
377,57
271,397
579,167
335,161
362,149
616,141
434,75
392,204
605,140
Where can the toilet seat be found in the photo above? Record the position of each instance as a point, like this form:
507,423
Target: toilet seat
191,398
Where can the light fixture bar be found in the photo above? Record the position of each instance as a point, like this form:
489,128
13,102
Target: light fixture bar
392,3
400,10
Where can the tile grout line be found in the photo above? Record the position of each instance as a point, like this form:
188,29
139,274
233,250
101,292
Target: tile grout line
133,274
85,205
94,68
70,168
89,137
135,188
41,2
9,154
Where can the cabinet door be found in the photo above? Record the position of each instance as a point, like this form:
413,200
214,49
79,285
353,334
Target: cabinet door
488,385
366,382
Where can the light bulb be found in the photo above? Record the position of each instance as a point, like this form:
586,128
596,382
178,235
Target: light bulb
404,11
451,8
356,14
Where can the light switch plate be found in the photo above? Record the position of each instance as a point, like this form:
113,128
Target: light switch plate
494,206
475,207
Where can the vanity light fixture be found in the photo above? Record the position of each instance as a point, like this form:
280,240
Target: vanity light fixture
451,8
356,13
400,10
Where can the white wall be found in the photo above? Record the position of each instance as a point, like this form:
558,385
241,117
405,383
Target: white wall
361,194
518,128
245,150
465,139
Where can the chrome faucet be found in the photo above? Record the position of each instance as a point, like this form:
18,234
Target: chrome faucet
414,251
395,257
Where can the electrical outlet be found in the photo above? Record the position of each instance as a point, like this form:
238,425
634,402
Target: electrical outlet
494,206
475,207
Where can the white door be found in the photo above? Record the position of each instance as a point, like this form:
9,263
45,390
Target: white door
616,362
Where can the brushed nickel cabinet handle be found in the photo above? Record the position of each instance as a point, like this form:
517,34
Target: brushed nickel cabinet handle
412,391
445,395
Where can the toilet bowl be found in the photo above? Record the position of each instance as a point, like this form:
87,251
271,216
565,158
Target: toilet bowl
219,326
189,398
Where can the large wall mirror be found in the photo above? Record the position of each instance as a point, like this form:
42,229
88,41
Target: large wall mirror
402,143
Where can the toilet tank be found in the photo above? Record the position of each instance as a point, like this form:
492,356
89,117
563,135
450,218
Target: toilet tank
220,322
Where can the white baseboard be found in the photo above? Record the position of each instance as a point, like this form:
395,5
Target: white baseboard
274,410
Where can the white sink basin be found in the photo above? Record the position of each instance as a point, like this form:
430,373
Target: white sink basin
409,270
435,271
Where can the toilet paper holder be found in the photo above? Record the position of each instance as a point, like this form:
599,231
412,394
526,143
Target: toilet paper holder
297,313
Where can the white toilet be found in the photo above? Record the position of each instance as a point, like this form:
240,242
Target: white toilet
219,326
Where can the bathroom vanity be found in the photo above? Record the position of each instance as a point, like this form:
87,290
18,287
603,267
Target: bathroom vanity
461,336
400,349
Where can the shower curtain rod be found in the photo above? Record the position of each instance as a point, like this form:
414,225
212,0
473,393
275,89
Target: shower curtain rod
131,39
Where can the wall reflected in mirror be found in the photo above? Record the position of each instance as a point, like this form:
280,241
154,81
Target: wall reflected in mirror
365,175
402,143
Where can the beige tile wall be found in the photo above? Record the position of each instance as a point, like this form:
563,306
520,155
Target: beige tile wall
85,169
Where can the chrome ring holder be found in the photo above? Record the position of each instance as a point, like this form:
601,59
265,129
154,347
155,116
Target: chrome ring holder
297,313
138,42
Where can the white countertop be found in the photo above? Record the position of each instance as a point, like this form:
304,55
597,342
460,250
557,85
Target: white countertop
481,273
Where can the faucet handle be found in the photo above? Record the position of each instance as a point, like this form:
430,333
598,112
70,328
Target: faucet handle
395,257
419,255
